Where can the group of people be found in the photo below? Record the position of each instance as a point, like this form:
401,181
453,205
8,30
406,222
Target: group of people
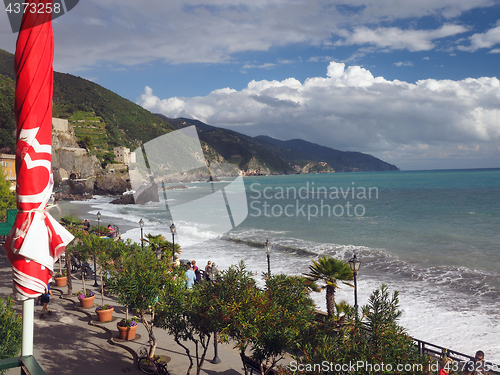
194,275
86,227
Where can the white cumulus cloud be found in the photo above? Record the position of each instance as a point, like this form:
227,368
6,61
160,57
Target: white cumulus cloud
396,38
483,40
350,109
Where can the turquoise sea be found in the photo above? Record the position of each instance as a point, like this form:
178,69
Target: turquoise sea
432,235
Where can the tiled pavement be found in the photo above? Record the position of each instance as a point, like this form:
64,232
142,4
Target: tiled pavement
72,341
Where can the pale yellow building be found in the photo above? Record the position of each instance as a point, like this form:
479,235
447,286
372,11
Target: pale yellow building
123,155
8,163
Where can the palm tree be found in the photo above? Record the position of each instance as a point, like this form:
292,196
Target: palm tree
329,271
156,242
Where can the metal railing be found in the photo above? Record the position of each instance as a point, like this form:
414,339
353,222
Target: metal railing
434,351
28,364
438,351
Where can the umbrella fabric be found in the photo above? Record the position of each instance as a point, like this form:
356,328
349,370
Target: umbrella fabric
36,240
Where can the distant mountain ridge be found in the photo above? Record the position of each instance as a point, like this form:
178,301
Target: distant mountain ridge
341,161
281,156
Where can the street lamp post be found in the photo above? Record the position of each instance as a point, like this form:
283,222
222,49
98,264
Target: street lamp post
354,264
268,252
216,359
141,223
95,266
172,229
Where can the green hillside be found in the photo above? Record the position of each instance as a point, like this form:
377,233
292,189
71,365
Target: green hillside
124,122
7,120
235,147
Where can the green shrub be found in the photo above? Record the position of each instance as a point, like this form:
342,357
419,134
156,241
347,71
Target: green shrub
10,330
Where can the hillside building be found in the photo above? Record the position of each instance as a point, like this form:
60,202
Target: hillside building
8,163
60,125
123,155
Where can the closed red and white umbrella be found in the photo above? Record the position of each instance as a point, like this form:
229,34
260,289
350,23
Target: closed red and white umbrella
36,240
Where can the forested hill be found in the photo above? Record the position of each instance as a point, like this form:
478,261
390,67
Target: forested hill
341,161
288,156
126,123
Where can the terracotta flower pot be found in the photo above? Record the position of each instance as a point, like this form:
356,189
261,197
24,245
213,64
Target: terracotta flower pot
61,281
105,315
87,302
127,333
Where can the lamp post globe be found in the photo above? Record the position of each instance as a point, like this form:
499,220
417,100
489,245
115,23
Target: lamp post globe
172,229
141,223
354,264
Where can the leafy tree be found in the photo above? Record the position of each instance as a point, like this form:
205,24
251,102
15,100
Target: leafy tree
111,258
138,282
108,158
69,250
268,322
284,320
329,271
376,338
237,301
157,243
188,316
10,330
388,340
87,142
87,246
71,221
7,121
7,197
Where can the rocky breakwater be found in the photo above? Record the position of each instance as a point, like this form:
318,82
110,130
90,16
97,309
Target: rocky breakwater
146,193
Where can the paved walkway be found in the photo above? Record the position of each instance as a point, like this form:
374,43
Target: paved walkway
72,341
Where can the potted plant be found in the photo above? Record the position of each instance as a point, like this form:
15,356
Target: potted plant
61,278
127,328
104,313
86,298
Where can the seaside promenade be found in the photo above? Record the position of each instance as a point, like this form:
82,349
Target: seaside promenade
72,341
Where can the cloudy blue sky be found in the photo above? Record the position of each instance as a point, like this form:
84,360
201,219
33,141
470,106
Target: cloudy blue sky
412,82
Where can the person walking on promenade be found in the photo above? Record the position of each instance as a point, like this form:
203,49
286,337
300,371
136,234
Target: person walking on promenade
446,367
111,232
190,277
177,261
86,225
197,272
45,299
193,264
213,274
208,270
476,367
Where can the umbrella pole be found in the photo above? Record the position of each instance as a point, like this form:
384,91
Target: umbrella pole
28,326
